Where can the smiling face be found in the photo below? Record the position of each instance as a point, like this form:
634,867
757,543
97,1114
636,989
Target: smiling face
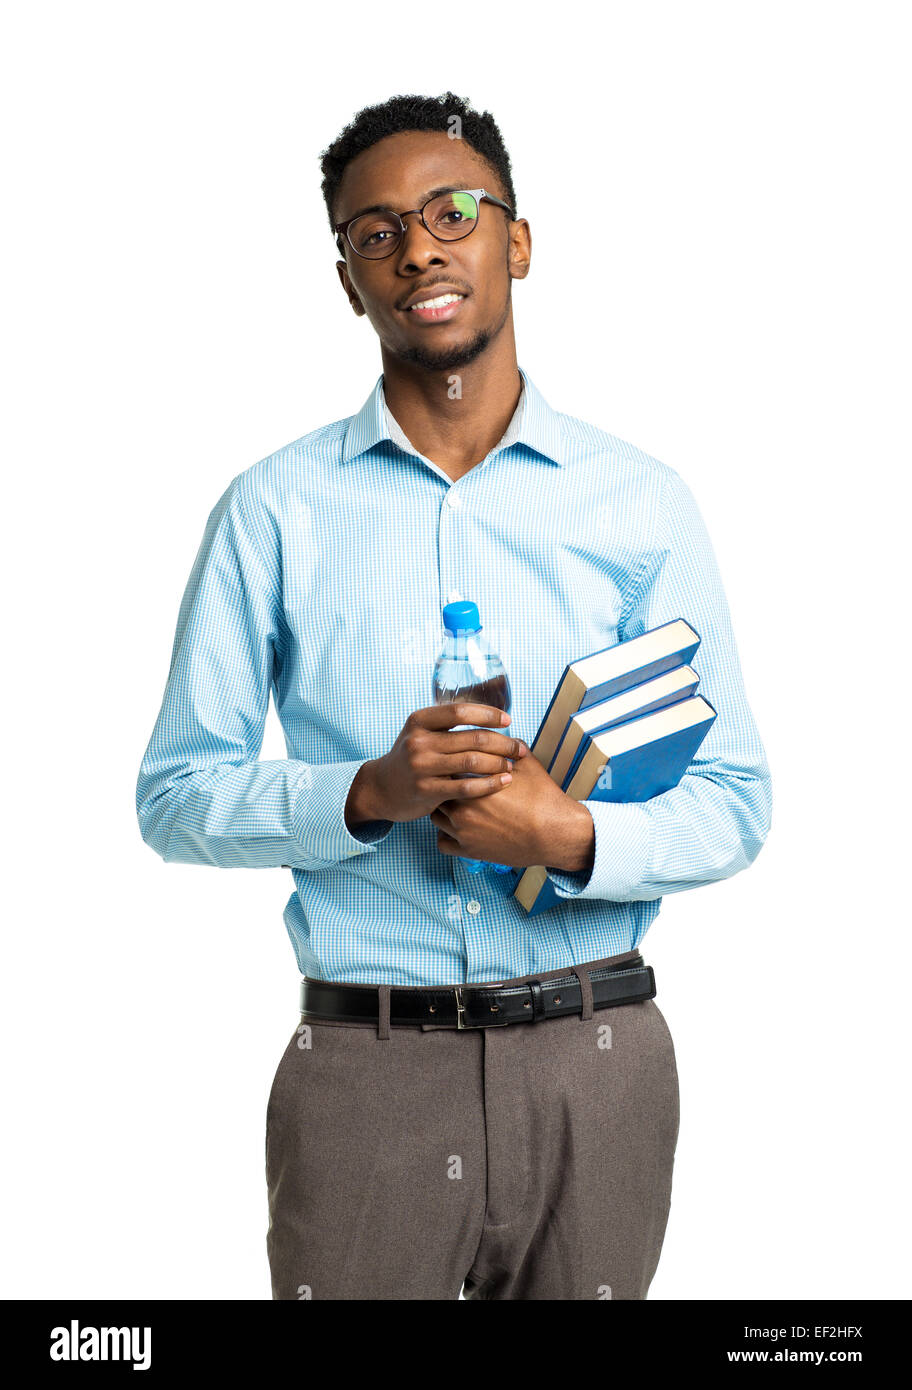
473,275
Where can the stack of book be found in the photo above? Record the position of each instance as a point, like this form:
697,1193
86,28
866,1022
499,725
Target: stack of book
623,725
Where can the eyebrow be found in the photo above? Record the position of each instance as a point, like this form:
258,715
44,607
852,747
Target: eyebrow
422,199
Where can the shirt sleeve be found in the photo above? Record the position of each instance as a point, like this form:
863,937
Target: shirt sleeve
202,796
714,822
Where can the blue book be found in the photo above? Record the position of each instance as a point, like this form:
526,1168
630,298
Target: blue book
664,690
634,761
609,672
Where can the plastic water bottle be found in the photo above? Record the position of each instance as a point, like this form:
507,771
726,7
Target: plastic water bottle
468,669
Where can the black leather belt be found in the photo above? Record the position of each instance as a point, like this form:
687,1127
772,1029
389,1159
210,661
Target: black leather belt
478,1006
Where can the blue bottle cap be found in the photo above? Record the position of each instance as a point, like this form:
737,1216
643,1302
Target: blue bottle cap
461,617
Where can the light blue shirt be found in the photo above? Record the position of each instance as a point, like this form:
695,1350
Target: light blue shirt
321,577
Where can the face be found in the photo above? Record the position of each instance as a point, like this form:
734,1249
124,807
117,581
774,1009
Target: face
399,172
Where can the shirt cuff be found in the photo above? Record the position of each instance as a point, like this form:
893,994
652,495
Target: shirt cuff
318,816
623,850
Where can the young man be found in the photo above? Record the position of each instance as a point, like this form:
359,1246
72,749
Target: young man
460,1109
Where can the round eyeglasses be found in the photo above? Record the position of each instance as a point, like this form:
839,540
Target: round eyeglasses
448,217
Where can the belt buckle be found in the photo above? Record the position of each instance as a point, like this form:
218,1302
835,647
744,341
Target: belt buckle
460,1015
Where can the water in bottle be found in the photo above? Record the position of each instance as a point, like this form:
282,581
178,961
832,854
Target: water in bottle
468,669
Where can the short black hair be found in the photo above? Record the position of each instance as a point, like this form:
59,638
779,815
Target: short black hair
478,128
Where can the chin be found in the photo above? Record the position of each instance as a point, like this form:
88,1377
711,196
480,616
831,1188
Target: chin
446,358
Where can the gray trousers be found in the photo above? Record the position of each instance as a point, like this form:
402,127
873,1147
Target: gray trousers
532,1161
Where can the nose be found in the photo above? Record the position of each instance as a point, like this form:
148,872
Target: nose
418,248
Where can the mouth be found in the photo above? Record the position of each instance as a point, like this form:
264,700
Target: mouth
435,308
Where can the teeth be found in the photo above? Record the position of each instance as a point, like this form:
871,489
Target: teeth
437,303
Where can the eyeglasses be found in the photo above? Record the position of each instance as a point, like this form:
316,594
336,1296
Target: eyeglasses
448,217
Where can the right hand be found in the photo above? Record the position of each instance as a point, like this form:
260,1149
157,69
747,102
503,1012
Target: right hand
427,764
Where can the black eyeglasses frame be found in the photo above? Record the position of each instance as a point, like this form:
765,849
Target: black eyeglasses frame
479,194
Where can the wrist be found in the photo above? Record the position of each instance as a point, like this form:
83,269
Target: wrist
362,803
574,852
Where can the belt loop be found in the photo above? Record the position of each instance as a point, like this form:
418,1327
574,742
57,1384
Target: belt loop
383,1022
582,974
538,1003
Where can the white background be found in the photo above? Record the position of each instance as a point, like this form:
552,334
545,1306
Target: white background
172,314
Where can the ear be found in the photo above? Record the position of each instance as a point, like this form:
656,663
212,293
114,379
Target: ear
349,289
519,249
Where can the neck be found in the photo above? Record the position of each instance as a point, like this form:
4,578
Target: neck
455,416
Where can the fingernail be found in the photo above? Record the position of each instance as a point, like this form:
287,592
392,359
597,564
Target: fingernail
506,777
509,762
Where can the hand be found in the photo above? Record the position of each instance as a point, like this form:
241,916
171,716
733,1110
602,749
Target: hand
530,821
427,765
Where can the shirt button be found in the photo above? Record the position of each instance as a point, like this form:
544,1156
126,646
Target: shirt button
473,906
454,499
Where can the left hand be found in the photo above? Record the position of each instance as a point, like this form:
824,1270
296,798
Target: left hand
529,821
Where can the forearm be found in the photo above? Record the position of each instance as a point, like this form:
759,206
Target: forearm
274,813
714,822
699,832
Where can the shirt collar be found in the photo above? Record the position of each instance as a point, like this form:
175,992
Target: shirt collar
534,424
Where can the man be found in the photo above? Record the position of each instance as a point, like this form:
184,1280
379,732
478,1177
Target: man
426,1135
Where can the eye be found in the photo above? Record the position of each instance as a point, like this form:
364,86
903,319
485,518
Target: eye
372,231
452,210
